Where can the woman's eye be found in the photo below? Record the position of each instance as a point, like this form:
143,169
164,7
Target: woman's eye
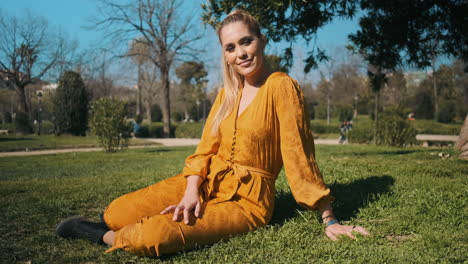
247,41
229,49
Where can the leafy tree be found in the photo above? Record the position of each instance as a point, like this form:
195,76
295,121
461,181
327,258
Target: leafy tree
70,109
192,75
286,20
274,62
107,122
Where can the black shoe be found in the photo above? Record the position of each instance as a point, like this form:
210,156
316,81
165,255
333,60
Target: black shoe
78,227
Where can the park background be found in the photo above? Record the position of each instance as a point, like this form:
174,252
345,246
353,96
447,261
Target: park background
76,74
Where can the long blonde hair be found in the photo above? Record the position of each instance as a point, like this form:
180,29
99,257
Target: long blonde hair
232,80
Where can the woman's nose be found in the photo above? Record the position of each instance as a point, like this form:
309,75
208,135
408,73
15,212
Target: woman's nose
241,53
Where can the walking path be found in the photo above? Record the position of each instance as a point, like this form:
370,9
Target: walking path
165,142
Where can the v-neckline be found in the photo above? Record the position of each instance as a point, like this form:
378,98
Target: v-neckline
238,115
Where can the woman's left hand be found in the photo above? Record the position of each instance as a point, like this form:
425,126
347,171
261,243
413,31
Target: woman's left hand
336,230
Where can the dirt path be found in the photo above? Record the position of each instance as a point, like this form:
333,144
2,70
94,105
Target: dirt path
167,142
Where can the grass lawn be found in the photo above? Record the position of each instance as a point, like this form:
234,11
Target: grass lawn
413,202
34,142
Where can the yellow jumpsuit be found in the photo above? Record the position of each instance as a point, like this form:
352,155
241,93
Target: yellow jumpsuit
239,170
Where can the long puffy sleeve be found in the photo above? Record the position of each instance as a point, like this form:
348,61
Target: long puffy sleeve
199,162
297,146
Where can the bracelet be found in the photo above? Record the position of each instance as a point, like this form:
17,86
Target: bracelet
332,222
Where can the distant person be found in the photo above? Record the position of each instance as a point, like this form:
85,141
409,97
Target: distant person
411,116
343,132
227,186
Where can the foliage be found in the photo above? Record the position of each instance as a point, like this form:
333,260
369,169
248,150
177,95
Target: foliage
22,124
47,128
446,113
275,63
189,130
192,75
344,112
286,20
360,135
394,129
153,130
374,187
108,123
319,127
321,112
70,109
156,113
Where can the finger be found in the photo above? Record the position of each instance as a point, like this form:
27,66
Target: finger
197,209
176,213
350,234
361,230
331,236
186,216
168,209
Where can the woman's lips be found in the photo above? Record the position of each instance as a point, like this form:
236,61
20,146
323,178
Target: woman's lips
245,63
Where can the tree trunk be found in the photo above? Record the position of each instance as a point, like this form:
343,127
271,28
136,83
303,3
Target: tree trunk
166,102
462,143
148,111
23,102
138,99
376,112
328,108
434,87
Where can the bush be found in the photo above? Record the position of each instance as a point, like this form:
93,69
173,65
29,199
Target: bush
156,113
394,130
321,112
318,127
189,130
446,113
344,112
22,124
47,128
70,107
361,135
154,130
108,123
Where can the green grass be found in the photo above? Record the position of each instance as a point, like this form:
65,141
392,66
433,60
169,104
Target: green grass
34,142
413,203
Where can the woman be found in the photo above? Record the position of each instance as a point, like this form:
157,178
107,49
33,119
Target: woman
227,186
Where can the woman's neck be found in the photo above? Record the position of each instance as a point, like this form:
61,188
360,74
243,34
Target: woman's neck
258,79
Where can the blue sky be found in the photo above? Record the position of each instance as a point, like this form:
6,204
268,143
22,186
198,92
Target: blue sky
73,15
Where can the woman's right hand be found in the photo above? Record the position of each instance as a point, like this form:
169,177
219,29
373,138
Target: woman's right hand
190,203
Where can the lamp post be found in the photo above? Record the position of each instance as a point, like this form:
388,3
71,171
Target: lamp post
39,112
356,98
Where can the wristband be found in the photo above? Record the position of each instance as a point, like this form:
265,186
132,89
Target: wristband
332,222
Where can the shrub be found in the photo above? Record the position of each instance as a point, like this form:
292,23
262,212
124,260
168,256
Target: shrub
154,130
394,130
156,113
344,112
319,127
361,135
446,113
22,124
189,130
47,128
321,112
70,107
108,123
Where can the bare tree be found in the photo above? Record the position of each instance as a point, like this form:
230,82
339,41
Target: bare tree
462,143
28,51
165,33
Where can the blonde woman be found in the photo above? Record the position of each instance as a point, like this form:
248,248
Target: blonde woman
227,187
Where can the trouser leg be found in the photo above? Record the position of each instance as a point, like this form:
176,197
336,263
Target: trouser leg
132,207
158,234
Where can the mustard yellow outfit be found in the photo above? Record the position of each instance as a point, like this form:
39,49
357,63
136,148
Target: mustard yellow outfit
239,170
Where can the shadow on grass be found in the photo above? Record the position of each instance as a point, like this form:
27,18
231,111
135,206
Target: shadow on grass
350,197
396,152
2,139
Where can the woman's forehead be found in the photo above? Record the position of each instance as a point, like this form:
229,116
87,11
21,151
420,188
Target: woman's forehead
233,32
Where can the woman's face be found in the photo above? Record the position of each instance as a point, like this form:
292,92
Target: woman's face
242,49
